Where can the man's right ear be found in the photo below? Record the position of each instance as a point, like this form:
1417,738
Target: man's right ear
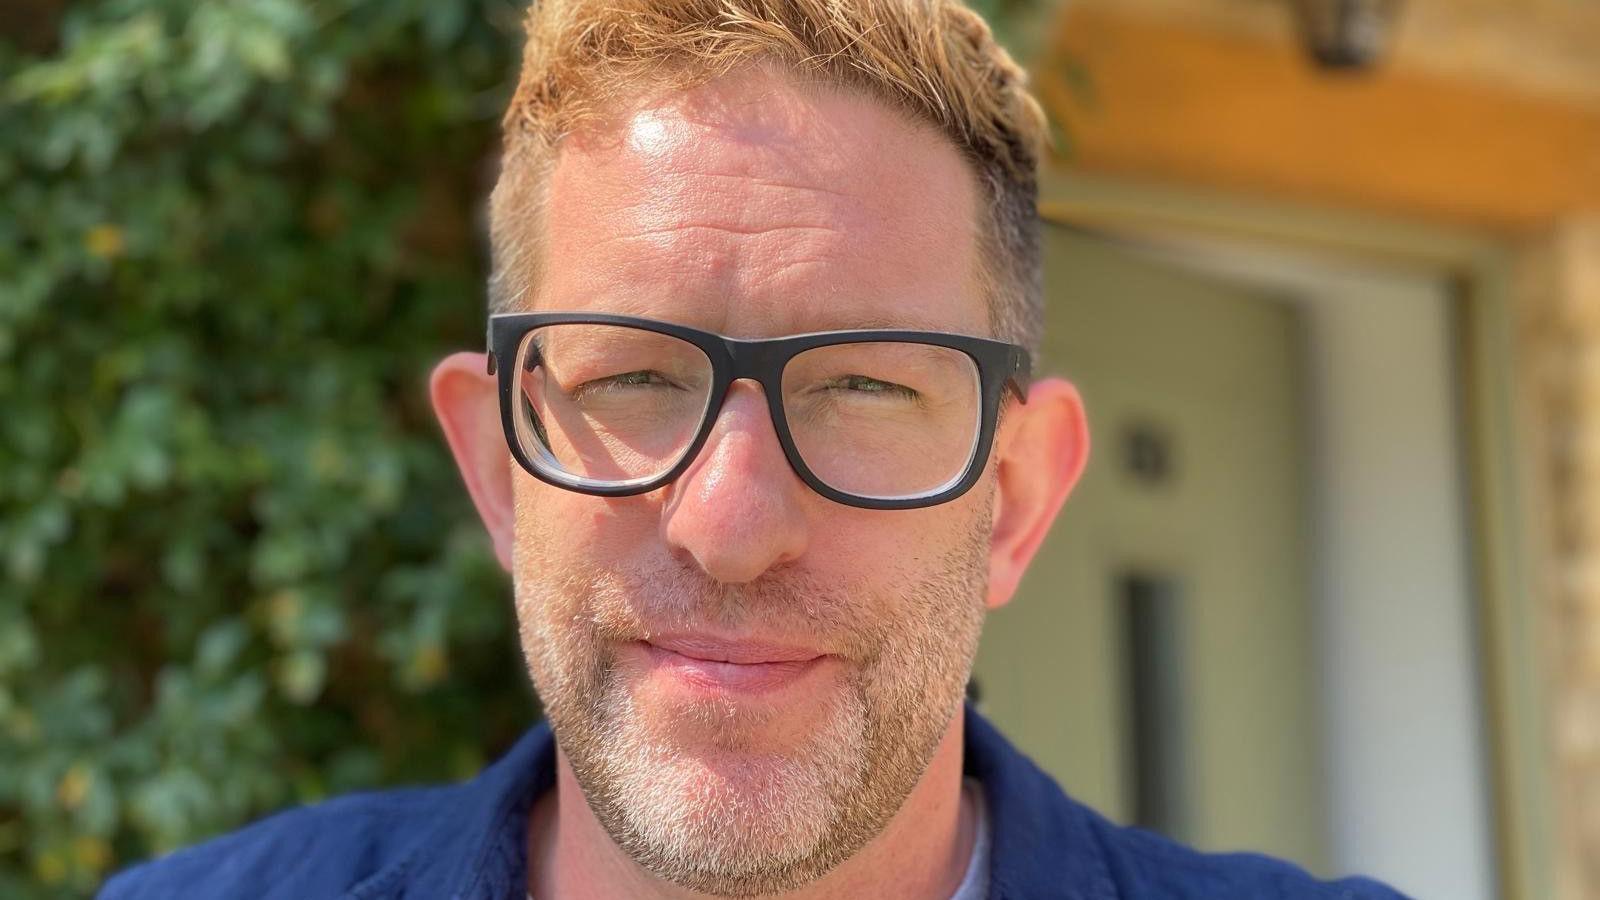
464,399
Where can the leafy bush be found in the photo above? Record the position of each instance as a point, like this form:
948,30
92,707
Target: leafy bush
237,569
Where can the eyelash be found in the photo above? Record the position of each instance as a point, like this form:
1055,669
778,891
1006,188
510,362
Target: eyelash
624,379
875,386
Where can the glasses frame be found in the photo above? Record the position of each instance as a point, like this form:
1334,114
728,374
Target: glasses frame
1000,366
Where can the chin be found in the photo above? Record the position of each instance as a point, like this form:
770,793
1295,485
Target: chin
718,804
734,823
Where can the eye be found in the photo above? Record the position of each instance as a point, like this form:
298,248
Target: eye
863,384
640,378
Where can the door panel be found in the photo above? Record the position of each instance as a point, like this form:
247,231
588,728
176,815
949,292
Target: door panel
1158,656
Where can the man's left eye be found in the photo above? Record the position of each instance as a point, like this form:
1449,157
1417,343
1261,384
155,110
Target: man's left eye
867,385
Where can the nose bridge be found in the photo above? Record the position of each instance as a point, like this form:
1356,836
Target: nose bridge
738,510
743,415
755,376
758,361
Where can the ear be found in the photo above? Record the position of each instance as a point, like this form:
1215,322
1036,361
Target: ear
1041,450
465,400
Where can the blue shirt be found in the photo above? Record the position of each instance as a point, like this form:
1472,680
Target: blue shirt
467,842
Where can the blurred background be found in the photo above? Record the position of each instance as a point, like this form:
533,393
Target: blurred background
1327,272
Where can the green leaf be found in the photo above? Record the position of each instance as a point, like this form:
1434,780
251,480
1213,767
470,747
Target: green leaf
215,323
301,675
219,647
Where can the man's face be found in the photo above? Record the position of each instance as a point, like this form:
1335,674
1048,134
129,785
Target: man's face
746,678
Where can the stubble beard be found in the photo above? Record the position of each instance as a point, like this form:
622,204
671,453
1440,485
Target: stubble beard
731,816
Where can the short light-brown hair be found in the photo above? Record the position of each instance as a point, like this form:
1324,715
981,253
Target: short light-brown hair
935,60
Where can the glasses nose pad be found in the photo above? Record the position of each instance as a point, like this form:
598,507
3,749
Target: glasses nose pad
752,412
738,509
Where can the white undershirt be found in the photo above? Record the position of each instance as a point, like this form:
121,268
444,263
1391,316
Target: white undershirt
975,884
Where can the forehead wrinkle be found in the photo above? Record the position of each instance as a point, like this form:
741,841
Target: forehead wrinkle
747,201
727,234
696,264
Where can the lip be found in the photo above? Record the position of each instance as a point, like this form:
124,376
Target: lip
722,666
712,649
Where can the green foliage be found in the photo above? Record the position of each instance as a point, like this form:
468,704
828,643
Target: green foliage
1018,24
1023,28
237,569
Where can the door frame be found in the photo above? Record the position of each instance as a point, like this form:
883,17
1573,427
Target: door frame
1499,490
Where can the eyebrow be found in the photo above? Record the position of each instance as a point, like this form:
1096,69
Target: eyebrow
876,323
910,319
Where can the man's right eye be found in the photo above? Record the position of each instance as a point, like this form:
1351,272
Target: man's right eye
627,380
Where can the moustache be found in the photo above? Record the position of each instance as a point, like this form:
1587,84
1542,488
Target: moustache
782,607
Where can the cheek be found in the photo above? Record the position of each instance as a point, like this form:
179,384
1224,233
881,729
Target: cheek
881,553
561,533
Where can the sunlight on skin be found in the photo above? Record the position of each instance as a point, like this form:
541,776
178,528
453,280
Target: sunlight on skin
754,208
650,134
749,212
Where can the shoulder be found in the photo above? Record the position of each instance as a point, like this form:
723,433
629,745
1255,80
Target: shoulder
1046,844
450,841
1143,864
309,852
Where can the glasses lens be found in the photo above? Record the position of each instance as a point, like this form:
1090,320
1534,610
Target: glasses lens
884,420
608,404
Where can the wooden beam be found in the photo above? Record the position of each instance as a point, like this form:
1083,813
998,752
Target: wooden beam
1245,113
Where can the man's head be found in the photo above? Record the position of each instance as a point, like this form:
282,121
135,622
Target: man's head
746,678
933,61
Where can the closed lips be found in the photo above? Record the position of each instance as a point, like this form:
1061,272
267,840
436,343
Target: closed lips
727,667
737,652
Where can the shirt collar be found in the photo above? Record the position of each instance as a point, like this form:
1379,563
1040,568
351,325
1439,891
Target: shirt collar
1043,845
475,846
1042,842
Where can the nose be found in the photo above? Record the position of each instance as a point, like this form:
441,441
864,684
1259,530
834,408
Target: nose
739,509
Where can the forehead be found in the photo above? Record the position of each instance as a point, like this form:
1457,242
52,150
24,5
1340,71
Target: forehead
757,206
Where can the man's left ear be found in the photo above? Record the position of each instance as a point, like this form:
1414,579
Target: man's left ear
468,407
1041,450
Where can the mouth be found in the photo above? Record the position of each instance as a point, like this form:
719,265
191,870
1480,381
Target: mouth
719,666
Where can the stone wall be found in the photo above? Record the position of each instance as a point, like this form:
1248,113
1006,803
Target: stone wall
1486,117
1560,356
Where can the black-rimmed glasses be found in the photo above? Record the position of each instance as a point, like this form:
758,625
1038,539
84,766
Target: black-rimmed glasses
617,405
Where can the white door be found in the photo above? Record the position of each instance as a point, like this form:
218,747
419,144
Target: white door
1159,657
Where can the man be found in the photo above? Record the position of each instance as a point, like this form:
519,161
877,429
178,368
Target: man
757,440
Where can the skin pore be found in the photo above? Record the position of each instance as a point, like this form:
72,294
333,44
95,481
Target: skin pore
756,206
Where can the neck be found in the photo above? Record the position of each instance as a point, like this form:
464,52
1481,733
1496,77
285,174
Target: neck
921,854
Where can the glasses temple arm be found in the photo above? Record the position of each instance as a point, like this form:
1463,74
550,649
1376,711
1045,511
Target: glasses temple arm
1021,375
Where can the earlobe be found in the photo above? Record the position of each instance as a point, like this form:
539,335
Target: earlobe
1042,452
464,399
